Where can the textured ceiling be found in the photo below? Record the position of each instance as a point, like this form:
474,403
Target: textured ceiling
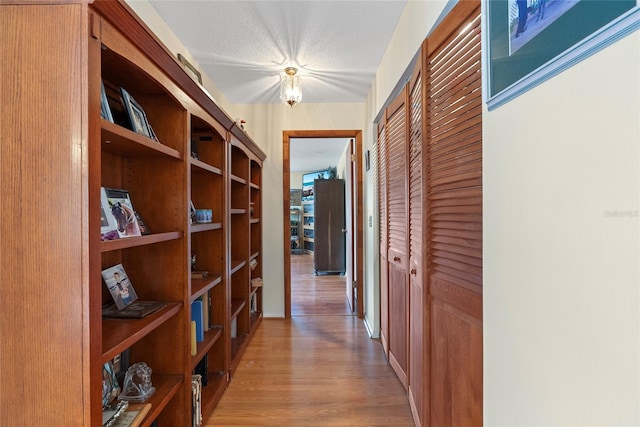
313,154
243,46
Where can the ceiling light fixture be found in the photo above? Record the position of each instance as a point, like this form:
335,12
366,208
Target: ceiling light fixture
290,86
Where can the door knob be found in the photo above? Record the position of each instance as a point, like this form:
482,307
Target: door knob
413,271
396,258
344,230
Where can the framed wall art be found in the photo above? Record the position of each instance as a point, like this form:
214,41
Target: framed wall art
529,41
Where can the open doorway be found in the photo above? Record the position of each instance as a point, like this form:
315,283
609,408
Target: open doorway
303,264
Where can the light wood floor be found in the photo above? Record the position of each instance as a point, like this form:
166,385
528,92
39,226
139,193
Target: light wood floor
318,368
313,295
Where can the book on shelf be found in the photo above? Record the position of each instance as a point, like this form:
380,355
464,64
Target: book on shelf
137,310
196,316
196,399
133,416
202,369
194,345
205,311
254,303
118,210
125,298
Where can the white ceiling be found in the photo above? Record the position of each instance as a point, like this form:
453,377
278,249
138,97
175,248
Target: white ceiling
243,46
313,154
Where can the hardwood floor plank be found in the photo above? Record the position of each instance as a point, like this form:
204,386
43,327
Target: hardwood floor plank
311,294
318,368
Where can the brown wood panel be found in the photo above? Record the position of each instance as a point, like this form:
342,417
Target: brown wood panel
384,302
43,169
458,64
383,191
450,143
397,156
454,218
397,167
417,338
456,382
466,299
398,328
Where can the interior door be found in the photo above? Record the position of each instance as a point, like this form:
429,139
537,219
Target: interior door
381,156
454,222
397,250
350,230
418,339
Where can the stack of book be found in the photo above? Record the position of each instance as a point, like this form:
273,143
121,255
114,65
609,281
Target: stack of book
196,396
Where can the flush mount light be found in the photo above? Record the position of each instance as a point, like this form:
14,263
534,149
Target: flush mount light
290,86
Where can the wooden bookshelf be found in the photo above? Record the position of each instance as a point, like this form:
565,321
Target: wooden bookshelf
71,153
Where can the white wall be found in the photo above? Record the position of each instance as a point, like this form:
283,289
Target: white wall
561,278
295,180
561,270
266,123
417,20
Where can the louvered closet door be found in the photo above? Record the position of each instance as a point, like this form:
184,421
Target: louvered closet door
454,135
397,222
381,156
417,340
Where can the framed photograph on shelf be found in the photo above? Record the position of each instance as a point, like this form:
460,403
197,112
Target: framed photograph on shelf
105,110
110,385
119,286
116,204
526,42
192,213
137,117
108,225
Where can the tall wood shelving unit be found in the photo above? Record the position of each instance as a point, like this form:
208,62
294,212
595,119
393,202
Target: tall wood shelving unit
308,242
55,126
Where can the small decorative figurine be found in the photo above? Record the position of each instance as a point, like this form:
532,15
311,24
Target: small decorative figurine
137,383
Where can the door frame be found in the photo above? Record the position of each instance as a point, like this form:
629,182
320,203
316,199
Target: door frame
356,211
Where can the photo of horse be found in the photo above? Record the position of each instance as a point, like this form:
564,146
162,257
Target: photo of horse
121,209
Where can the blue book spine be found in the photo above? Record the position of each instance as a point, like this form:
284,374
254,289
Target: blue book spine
196,316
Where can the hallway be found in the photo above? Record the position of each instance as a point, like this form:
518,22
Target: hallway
318,368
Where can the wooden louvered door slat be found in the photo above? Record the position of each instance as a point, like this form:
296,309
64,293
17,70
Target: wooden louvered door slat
396,138
381,157
417,337
454,218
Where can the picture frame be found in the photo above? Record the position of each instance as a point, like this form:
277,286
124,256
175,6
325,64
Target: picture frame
105,109
137,117
110,385
116,203
108,225
119,286
192,213
523,47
